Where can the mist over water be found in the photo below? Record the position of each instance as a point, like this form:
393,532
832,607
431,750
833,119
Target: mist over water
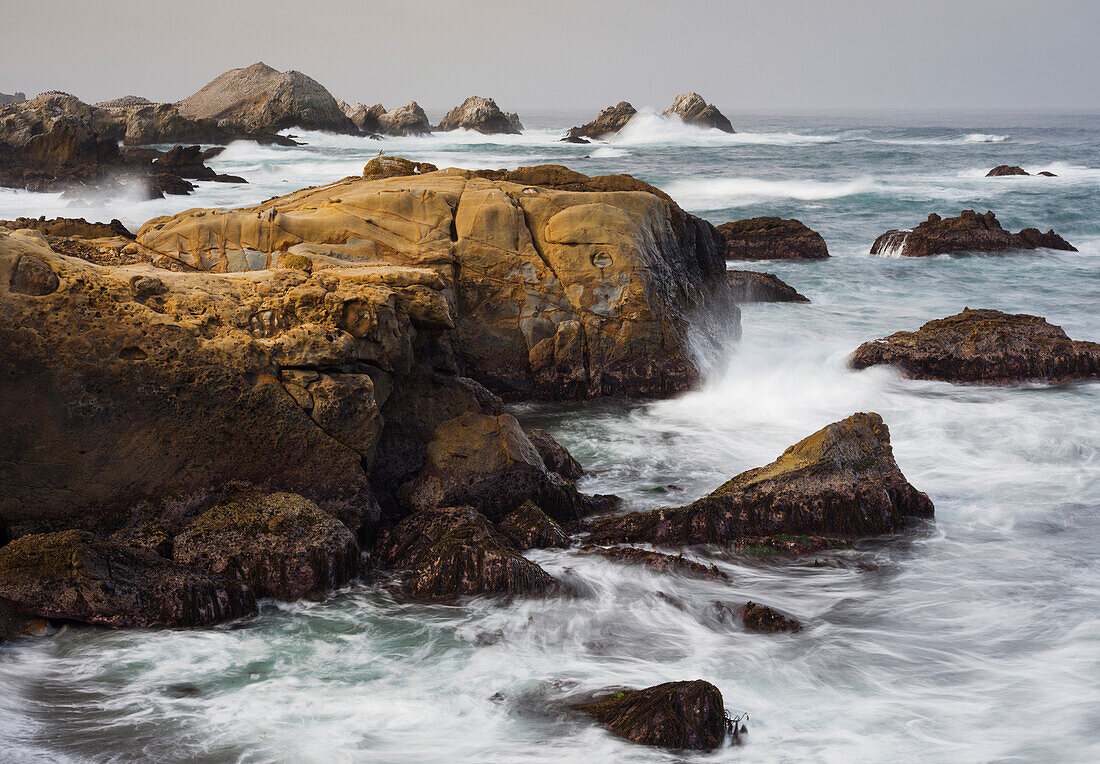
974,639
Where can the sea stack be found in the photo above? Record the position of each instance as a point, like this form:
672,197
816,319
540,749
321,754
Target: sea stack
693,110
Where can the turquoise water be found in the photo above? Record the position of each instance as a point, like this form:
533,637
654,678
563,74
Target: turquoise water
976,641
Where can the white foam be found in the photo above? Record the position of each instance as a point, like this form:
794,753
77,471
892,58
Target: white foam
719,193
985,138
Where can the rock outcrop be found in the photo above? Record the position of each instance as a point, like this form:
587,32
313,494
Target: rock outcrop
693,110
69,227
1003,169
675,715
453,552
187,162
528,527
754,286
482,115
554,455
73,576
135,383
275,545
409,119
659,562
842,481
969,232
258,98
9,98
559,285
771,239
763,618
394,167
984,347
610,120
487,462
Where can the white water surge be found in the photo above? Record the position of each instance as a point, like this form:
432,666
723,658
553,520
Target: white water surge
975,639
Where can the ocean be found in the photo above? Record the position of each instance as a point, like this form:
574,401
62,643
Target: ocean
977,639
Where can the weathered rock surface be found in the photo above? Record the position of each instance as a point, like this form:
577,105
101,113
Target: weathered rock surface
555,456
9,98
754,286
394,167
487,462
69,227
72,575
608,121
482,115
528,527
676,715
558,285
969,232
693,110
763,618
771,239
187,162
1004,169
984,347
660,562
132,383
455,551
275,545
841,481
258,98
409,119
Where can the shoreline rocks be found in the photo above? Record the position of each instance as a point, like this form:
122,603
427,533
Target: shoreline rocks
675,715
770,238
481,115
762,618
693,110
842,481
969,232
984,347
1003,170
755,286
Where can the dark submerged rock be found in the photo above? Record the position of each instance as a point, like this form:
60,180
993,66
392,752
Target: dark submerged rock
74,576
275,544
659,562
984,347
753,286
841,481
769,238
969,232
675,715
455,551
763,618
555,456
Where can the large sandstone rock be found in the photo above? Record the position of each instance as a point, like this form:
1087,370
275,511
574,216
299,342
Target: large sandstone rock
969,232
771,239
487,462
558,285
676,715
258,98
72,575
483,115
608,121
841,481
125,384
455,551
275,545
754,286
693,110
985,347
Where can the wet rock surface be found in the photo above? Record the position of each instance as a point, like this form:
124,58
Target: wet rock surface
674,715
984,347
692,109
841,481
608,121
659,562
770,238
74,576
754,286
763,618
528,527
969,232
555,456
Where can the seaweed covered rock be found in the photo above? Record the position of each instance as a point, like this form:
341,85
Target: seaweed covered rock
528,527
693,110
455,551
769,238
763,618
841,481
74,576
675,715
555,456
659,562
275,544
754,286
984,347
481,115
969,232
608,121
489,463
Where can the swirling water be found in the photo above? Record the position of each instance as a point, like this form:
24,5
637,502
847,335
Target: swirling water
977,640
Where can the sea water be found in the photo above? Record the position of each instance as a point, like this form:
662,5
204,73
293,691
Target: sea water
976,639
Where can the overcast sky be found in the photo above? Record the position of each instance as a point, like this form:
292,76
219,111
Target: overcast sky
777,55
